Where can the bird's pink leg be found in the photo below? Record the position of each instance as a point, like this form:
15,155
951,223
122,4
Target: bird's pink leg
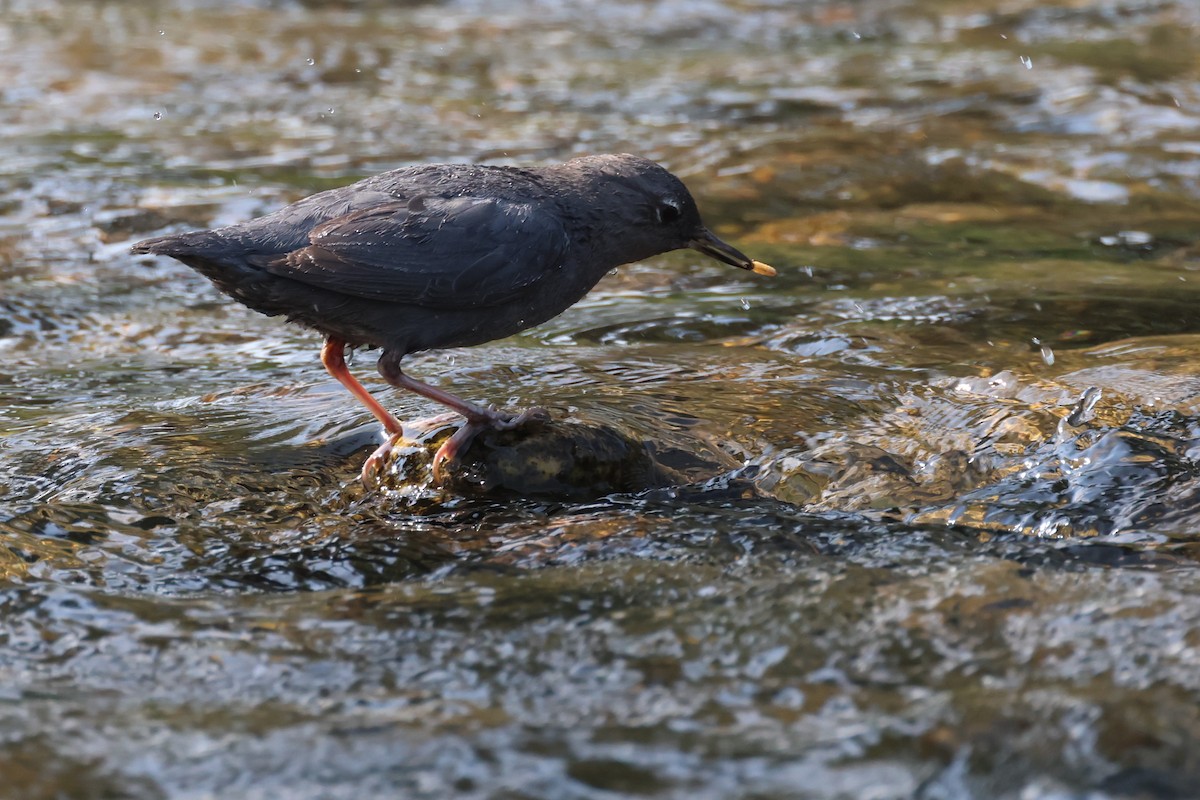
333,356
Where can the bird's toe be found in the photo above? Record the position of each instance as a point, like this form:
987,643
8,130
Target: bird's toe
530,416
451,448
377,462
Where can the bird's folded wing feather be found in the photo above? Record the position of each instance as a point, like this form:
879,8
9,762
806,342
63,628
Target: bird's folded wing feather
459,252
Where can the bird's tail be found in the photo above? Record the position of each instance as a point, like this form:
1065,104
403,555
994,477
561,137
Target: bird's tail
181,244
215,257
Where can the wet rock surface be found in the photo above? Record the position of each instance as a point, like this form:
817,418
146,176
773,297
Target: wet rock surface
560,460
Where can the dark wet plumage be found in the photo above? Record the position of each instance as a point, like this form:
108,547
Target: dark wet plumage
447,255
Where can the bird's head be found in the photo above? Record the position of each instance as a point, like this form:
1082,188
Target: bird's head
655,211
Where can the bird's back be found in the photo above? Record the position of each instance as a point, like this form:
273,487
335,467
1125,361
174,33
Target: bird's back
246,261
288,228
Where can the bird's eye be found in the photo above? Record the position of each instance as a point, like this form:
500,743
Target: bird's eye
668,212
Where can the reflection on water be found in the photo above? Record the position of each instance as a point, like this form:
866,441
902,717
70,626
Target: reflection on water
949,547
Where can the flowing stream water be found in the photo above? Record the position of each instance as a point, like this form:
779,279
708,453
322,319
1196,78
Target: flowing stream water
947,544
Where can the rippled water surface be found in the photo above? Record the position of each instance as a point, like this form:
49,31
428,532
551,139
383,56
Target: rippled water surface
945,544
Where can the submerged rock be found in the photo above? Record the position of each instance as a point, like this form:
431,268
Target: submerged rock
566,460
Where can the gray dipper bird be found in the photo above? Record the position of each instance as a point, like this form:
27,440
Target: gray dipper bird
447,255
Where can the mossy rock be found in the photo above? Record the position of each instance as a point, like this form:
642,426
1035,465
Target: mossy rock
559,460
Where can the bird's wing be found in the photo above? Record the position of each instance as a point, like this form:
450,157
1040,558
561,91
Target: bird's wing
458,252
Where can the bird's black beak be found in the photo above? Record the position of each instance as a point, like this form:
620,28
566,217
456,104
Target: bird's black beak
713,247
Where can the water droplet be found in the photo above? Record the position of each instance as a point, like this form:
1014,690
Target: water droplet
1002,36
856,34
311,61
1027,61
808,270
158,115
331,111
1048,356
162,33
745,304
1082,412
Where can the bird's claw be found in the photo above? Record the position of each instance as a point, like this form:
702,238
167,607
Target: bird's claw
462,438
376,462
450,449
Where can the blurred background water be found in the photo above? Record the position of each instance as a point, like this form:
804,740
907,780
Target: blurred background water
950,546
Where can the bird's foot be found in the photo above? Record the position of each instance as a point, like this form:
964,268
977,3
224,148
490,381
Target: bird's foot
377,461
458,442
450,448
496,420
